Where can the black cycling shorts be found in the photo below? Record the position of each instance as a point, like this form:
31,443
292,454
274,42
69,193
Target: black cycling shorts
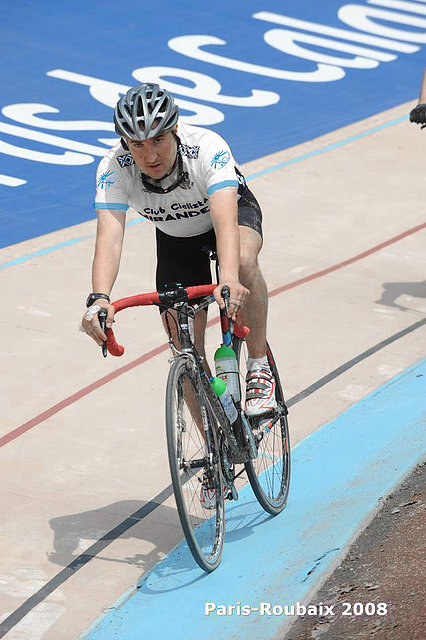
183,259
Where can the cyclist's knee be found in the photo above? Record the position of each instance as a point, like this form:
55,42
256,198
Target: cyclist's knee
249,267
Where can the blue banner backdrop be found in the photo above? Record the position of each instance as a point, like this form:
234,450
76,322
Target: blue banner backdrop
266,75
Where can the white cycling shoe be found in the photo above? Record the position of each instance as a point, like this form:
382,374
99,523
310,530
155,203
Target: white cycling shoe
260,391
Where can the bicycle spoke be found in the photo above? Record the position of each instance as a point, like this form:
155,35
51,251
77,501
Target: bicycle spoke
189,458
269,473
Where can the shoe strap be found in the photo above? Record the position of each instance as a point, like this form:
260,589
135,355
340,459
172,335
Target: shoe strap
252,395
261,374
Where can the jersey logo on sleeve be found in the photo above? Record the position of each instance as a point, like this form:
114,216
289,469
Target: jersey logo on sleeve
220,159
126,160
189,152
106,179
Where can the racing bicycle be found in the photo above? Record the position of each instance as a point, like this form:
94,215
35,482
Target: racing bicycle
203,446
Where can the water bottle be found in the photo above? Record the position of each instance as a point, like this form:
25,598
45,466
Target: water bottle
226,365
219,387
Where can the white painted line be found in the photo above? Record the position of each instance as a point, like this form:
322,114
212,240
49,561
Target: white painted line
8,181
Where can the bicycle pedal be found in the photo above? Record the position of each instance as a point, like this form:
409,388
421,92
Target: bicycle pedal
281,410
259,422
232,493
266,424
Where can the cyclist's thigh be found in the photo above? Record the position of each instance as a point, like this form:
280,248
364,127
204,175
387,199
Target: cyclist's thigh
250,214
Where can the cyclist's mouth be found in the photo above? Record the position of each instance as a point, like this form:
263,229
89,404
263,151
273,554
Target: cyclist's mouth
155,167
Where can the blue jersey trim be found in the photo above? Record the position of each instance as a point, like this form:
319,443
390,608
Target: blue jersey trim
222,185
111,205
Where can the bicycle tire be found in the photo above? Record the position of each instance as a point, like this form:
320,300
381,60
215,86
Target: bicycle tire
189,454
269,473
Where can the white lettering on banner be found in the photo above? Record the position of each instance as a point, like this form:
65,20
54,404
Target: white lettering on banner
399,5
204,86
103,91
369,31
285,40
343,34
109,142
360,17
9,181
109,93
25,114
67,158
191,46
55,141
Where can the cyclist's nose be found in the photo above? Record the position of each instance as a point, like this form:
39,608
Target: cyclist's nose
151,155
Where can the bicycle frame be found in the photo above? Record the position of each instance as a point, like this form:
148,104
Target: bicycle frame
242,446
219,445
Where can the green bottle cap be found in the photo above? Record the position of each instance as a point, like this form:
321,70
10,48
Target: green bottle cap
218,386
224,352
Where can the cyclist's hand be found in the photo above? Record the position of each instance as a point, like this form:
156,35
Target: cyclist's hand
238,297
90,321
418,114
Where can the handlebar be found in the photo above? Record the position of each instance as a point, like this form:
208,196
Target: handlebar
153,298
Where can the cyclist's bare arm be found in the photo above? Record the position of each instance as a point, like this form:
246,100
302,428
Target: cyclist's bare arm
224,213
106,263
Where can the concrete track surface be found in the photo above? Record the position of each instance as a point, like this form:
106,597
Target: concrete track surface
83,444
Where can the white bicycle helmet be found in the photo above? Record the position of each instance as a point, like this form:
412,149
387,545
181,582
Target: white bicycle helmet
145,112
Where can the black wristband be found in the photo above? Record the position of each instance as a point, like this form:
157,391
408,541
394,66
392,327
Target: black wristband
92,297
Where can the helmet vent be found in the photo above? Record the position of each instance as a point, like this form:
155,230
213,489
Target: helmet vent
145,112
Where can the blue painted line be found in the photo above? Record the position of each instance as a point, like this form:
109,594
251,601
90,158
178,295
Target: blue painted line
330,147
62,245
339,474
306,156
42,252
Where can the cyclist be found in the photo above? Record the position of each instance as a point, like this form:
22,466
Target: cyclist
418,114
184,180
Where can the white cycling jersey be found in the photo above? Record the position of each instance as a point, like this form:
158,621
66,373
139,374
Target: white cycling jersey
184,211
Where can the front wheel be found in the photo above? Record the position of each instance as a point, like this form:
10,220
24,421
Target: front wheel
194,459
269,473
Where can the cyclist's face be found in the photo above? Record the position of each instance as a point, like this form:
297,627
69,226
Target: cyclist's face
155,157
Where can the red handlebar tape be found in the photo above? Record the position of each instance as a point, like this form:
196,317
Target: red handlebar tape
145,299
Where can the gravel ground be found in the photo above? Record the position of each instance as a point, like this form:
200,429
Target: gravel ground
386,564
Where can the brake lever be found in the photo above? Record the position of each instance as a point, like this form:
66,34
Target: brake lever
225,293
102,316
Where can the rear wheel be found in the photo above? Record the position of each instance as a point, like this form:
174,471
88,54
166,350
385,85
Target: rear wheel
269,473
194,458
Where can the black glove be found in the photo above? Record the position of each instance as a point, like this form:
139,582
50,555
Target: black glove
418,114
